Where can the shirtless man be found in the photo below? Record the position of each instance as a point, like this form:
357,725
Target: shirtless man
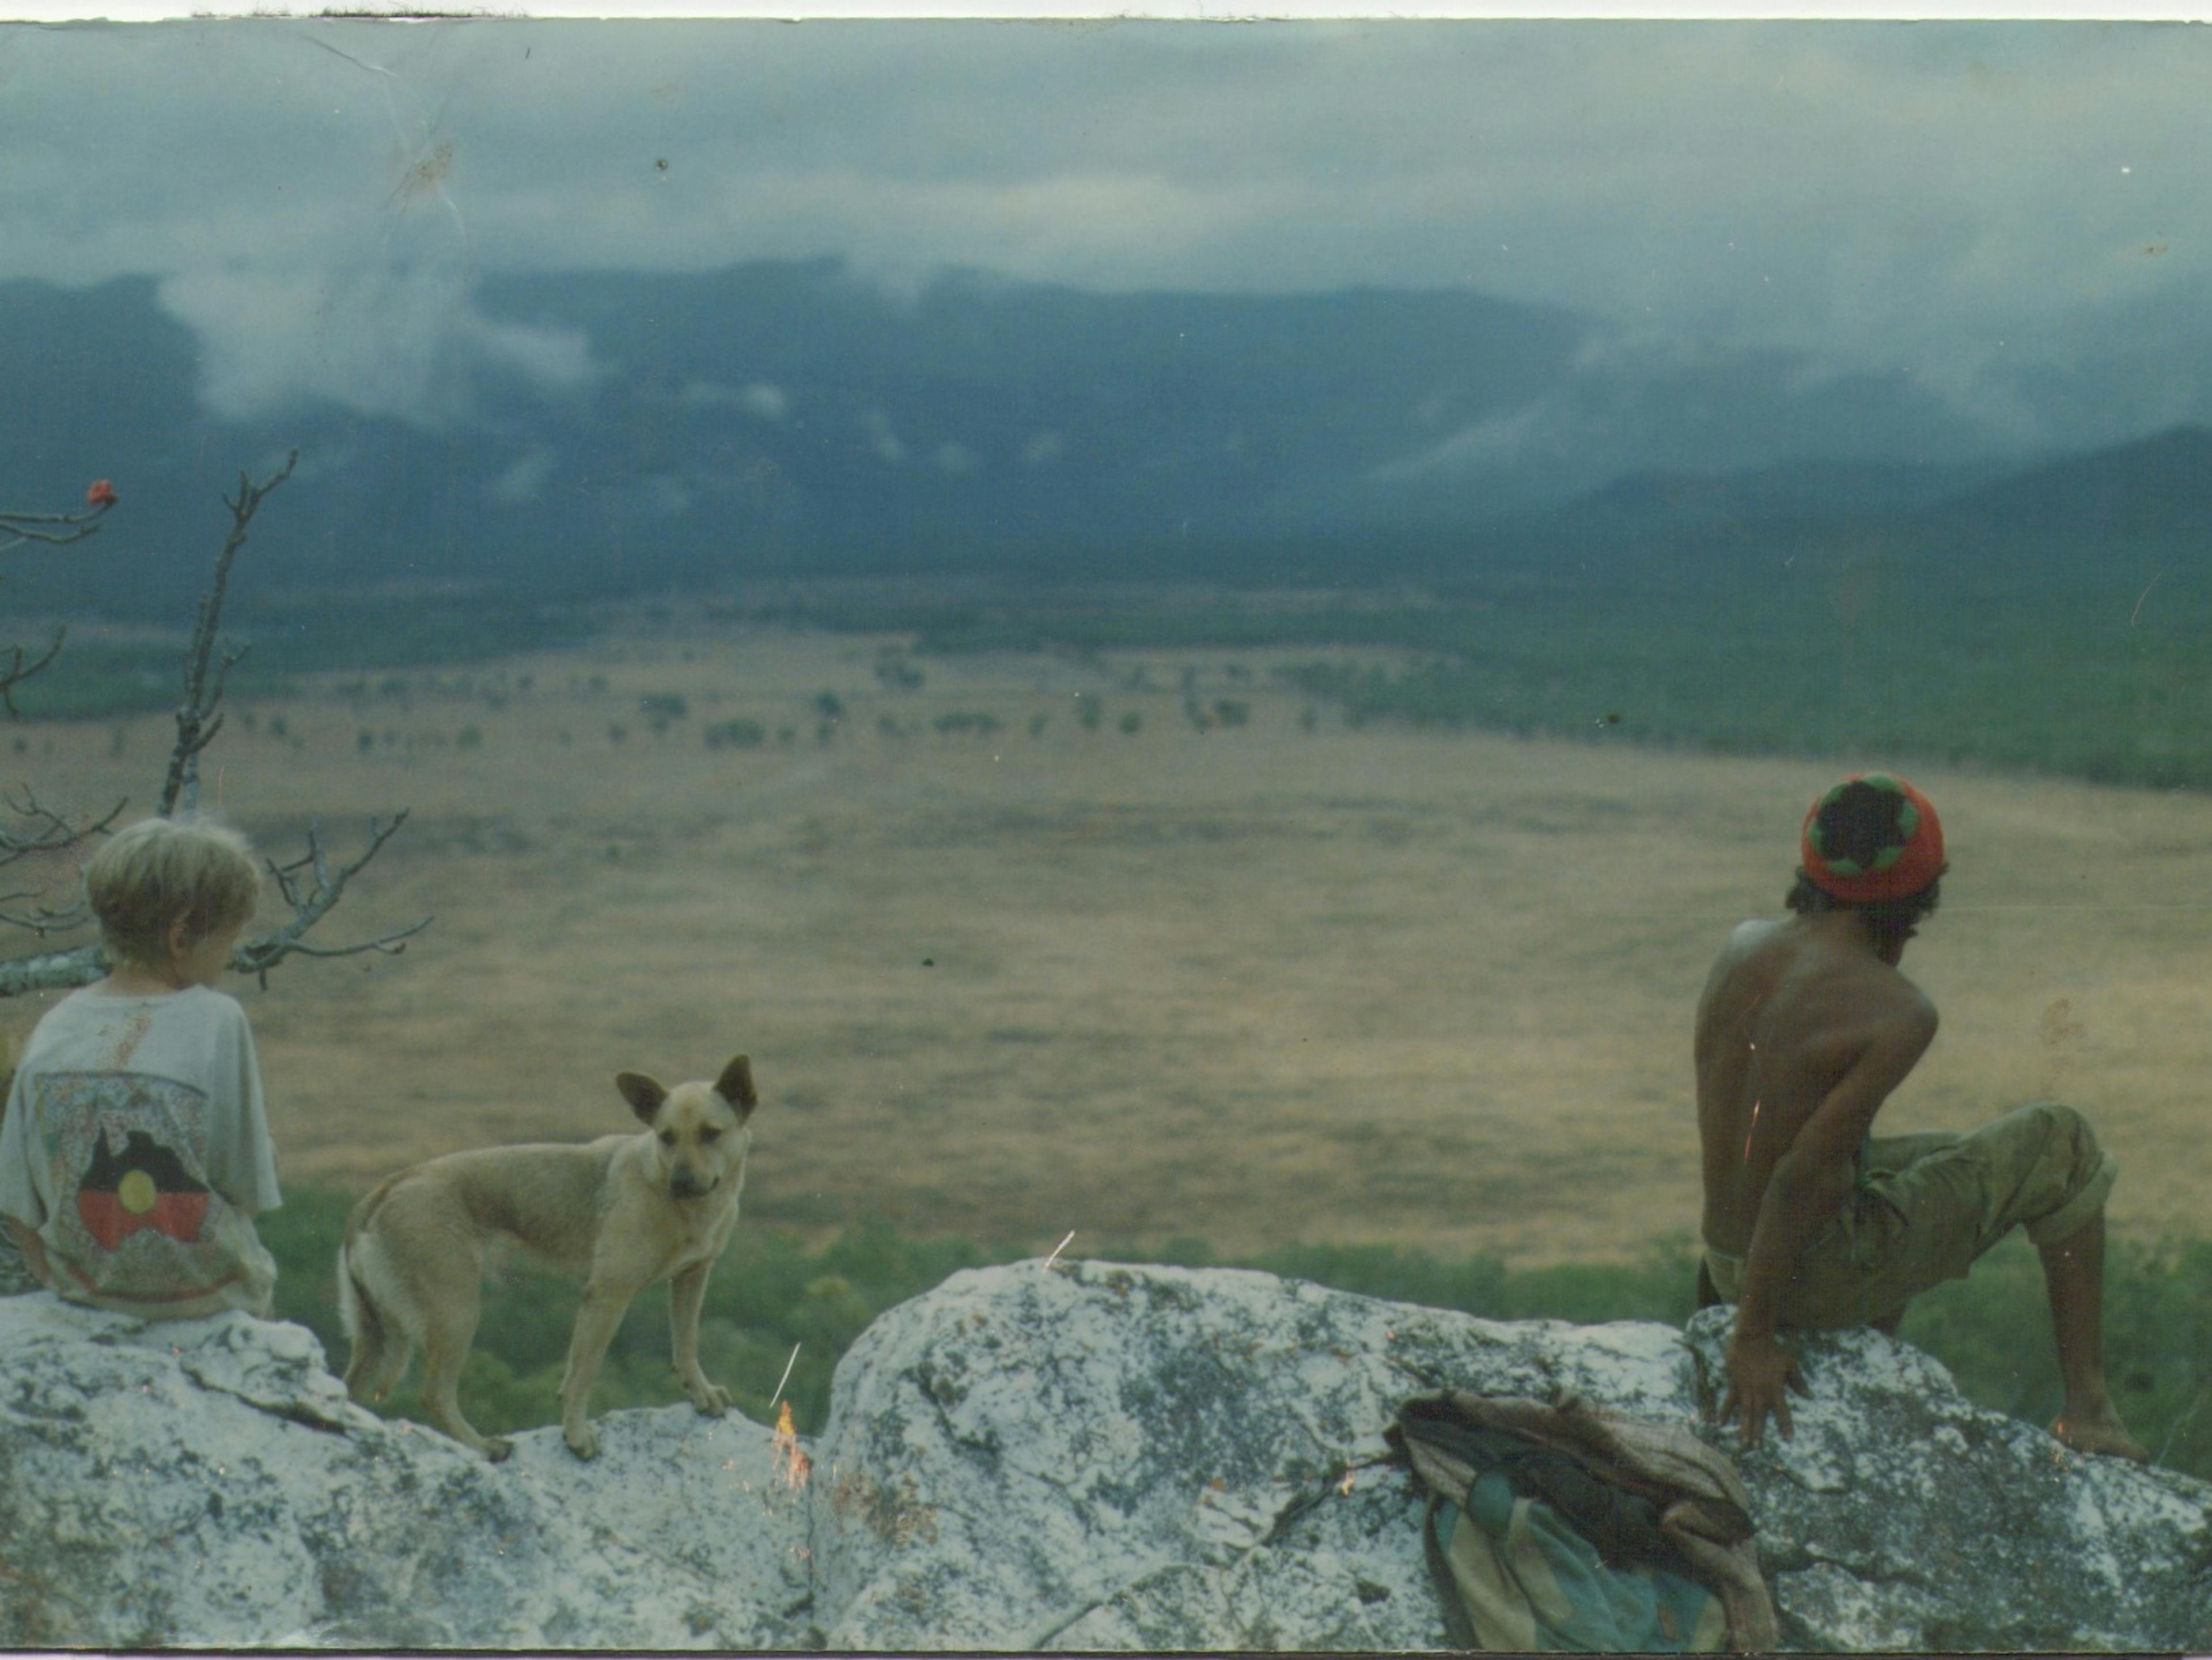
1804,1027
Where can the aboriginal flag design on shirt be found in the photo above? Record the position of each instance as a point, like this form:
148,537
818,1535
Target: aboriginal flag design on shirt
137,1216
145,1185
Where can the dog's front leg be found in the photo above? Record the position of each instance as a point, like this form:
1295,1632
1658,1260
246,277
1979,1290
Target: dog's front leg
596,1322
686,1291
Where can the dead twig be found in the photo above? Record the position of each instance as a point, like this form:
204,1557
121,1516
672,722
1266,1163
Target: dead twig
54,529
40,830
311,884
311,901
18,671
198,717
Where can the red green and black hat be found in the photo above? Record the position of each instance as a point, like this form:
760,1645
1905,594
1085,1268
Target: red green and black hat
1872,837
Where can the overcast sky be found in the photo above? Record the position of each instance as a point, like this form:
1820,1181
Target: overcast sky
1969,204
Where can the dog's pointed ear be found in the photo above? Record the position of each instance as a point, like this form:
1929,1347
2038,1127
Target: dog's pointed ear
644,1094
735,1085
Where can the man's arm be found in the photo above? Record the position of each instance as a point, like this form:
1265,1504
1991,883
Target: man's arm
1809,1186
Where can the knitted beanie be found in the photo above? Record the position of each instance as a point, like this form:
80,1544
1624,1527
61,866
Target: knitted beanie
1872,837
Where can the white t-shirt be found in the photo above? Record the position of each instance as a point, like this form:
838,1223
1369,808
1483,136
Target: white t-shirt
137,1144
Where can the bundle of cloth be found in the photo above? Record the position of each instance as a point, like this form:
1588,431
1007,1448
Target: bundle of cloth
1564,1526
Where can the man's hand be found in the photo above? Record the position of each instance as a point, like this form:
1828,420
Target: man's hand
1761,1372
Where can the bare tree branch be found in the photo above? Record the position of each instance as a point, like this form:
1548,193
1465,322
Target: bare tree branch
56,971
55,529
197,721
311,904
42,830
18,671
49,831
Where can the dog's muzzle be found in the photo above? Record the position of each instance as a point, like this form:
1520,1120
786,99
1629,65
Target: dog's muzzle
689,1187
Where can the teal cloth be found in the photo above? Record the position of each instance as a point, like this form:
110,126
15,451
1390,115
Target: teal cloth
1588,1607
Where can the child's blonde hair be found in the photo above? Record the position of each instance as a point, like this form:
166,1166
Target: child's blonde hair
159,869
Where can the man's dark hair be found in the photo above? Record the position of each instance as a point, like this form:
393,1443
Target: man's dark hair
1892,920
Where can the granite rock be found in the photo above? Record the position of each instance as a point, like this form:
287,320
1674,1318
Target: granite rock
1072,1456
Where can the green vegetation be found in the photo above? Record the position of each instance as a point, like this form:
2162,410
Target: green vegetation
963,723
2094,668
2096,671
2092,671
771,1292
292,634
896,673
661,707
736,733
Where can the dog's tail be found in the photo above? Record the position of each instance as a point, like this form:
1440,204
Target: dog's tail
378,1344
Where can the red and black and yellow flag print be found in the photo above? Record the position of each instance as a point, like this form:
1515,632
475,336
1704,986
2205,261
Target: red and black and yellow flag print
145,1185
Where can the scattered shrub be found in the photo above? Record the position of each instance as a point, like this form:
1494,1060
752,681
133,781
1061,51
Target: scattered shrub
737,733
896,673
962,723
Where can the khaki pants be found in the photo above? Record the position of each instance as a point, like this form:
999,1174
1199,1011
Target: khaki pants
1925,1206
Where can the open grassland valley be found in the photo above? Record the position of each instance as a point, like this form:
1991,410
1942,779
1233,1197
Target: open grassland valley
1139,944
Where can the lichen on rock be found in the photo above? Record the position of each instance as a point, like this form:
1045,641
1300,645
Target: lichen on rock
1072,1456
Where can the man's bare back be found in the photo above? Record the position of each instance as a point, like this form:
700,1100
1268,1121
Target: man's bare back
1791,1011
1804,1029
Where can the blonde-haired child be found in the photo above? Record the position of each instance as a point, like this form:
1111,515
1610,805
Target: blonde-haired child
134,1151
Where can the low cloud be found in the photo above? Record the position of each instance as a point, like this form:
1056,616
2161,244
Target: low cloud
760,398
406,342
1977,206
525,481
1531,432
881,439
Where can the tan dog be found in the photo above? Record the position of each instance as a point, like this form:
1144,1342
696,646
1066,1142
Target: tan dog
618,1212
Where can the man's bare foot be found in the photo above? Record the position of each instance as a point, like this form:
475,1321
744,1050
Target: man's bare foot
2099,1432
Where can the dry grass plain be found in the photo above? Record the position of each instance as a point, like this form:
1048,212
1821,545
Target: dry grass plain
1259,984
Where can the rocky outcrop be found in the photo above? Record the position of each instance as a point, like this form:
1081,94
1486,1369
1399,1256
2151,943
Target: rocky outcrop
1081,1456
207,1482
